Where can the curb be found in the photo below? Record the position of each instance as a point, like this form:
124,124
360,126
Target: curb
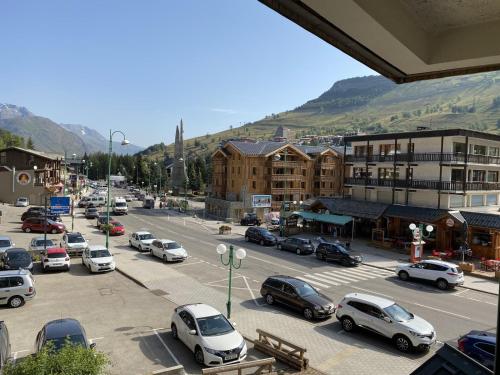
130,278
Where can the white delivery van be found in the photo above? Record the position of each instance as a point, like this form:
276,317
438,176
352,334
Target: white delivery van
97,200
120,206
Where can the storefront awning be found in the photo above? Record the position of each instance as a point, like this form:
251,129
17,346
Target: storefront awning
324,218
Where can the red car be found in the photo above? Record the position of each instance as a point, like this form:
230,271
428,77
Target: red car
38,224
117,229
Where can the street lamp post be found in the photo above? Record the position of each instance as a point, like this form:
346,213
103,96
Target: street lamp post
124,143
418,232
240,254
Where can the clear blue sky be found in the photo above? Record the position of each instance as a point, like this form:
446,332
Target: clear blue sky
140,66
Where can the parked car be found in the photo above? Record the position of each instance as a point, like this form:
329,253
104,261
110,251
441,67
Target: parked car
297,295
296,244
74,243
479,345
6,243
101,220
335,252
116,229
386,318
16,287
41,214
39,244
98,259
38,224
443,274
33,211
260,235
60,332
141,240
16,258
56,258
129,198
22,202
119,206
168,250
250,219
148,202
208,334
91,213
5,349
84,202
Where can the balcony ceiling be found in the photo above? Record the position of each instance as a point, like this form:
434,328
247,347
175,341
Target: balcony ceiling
405,40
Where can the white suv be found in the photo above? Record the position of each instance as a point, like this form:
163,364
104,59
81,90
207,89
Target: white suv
141,240
98,259
74,243
55,258
444,274
208,334
386,318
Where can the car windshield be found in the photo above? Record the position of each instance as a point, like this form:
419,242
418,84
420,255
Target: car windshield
75,239
22,199
58,342
4,243
120,204
56,255
19,257
265,232
91,209
305,290
398,313
51,222
41,243
171,245
148,236
99,253
117,224
214,325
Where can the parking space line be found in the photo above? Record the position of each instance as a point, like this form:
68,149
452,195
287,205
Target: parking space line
187,264
166,347
251,292
443,311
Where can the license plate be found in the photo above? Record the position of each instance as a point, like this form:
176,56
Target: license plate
56,264
230,357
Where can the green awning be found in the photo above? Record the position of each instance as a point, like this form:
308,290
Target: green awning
324,218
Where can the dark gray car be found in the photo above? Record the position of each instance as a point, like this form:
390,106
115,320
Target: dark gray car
60,331
297,245
335,252
15,259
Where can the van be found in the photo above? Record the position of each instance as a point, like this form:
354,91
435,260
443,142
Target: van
120,206
97,200
16,287
148,202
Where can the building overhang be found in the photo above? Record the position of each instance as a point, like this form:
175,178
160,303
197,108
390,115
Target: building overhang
405,40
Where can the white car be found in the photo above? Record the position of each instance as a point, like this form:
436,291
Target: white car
168,250
98,259
141,240
22,202
39,244
208,334
6,243
386,318
444,274
74,243
55,258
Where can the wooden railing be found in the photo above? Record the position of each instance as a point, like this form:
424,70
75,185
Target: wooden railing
260,366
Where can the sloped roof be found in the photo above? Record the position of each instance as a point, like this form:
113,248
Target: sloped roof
363,209
479,219
421,214
34,152
257,148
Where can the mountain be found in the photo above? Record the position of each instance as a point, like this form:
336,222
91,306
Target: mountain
56,138
373,104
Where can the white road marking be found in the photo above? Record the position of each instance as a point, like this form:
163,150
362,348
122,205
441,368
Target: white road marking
336,278
443,311
322,279
95,338
187,264
232,287
478,300
277,264
340,274
166,347
376,271
360,274
312,282
251,292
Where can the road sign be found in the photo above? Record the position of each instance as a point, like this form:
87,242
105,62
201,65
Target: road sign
60,205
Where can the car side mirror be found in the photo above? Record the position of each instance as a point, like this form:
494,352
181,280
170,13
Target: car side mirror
92,346
387,319
192,332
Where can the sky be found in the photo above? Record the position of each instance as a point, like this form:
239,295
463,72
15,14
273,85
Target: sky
140,66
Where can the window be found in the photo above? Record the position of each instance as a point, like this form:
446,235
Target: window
303,185
361,172
456,201
388,173
232,170
254,171
304,172
491,199
4,282
489,348
493,151
492,176
16,281
268,170
254,184
288,289
323,184
273,283
476,200
388,149
457,175
459,148
239,170
232,183
360,306
477,149
478,175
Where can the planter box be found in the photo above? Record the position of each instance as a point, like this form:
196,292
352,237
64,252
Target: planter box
466,267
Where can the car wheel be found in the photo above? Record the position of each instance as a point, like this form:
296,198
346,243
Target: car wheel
308,314
53,231
279,246
348,324
89,268
442,284
261,243
16,301
198,356
247,239
403,275
165,259
140,248
130,243
27,230
44,269
269,299
298,251
403,344
323,257
173,328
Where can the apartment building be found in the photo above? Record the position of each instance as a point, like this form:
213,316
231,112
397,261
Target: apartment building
445,169
283,171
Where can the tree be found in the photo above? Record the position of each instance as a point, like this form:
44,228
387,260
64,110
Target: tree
29,144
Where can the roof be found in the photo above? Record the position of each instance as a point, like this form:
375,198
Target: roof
142,232
97,247
313,150
420,214
483,335
257,148
478,219
20,271
16,250
405,40
423,134
350,207
44,155
324,218
440,263
62,327
56,250
164,240
201,310
379,301
5,238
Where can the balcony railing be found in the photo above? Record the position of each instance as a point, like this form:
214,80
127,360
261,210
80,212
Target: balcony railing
423,184
286,164
425,157
287,177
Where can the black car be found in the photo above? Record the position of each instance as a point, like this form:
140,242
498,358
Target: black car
50,215
16,258
250,219
60,331
91,213
33,211
101,220
336,252
296,244
4,344
298,295
260,235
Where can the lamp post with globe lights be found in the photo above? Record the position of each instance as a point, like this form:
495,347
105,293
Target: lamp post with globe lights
239,254
418,232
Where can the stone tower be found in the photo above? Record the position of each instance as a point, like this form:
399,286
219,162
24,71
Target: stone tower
179,174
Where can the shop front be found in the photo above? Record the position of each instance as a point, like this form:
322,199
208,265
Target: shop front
483,234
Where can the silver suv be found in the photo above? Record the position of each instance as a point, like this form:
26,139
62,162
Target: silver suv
386,318
74,243
16,287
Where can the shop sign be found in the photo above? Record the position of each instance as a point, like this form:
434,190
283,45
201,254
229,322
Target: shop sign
259,201
23,178
450,223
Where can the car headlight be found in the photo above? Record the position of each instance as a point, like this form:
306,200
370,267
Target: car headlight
211,351
416,334
242,345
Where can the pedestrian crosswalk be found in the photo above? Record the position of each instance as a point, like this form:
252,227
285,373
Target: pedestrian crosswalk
341,276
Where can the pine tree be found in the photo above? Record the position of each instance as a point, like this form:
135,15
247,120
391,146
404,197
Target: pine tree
29,144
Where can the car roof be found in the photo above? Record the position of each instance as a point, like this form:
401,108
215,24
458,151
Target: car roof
379,301
483,336
97,247
439,262
73,234
62,327
201,310
143,232
164,240
16,250
14,272
5,238
56,250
